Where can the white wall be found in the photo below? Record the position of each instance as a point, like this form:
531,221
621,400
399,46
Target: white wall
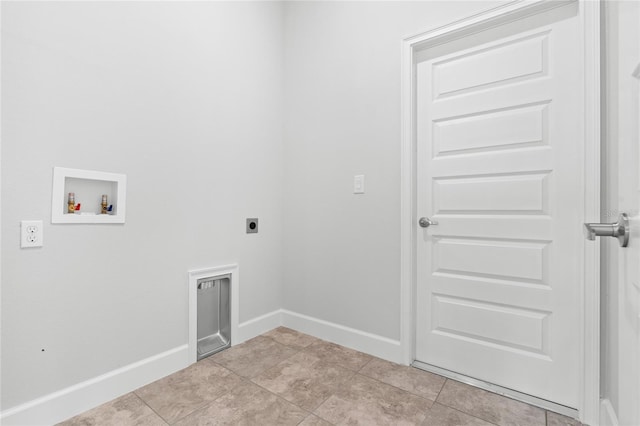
185,98
342,109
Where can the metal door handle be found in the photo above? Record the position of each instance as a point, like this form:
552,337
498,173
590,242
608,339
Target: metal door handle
619,230
425,222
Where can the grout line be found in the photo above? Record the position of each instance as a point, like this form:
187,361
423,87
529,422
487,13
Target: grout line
300,350
396,387
367,363
213,400
309,413
150,408
401,390
441,387
332,394
457,409
467,414
484,390
190,381
267,368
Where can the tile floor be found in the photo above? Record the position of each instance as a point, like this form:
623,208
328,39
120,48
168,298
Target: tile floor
287,378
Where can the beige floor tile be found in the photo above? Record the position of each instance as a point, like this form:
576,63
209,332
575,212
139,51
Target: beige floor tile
418,382
555,419
338,355
247,404
365,401
128,410
304,379
439,415
288,337
314,421
253,356
301,380
187,390
490,406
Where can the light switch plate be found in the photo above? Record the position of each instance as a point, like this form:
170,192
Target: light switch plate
358,184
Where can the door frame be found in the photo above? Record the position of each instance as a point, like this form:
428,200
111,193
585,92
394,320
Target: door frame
589,398
636,74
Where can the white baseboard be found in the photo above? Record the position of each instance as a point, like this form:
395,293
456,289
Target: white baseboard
76,399
369,343
257,326
608,415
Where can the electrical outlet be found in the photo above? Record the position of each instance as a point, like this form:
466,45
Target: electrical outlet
31,233
252,225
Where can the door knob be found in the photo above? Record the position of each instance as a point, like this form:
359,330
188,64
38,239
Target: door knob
425,222
619,230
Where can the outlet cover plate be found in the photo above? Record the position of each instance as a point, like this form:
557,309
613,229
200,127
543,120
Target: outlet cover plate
31,233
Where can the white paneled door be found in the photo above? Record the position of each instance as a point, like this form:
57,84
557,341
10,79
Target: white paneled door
500,122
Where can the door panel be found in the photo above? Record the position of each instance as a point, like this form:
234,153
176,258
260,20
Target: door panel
490,323
509,128
486,258
512,194
494,65
500,168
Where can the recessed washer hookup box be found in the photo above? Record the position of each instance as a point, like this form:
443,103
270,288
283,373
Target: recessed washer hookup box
214,315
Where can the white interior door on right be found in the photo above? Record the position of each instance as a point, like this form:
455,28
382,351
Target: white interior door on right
624,110
500,168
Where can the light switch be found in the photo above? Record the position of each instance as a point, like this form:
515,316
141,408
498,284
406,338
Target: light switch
358,184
